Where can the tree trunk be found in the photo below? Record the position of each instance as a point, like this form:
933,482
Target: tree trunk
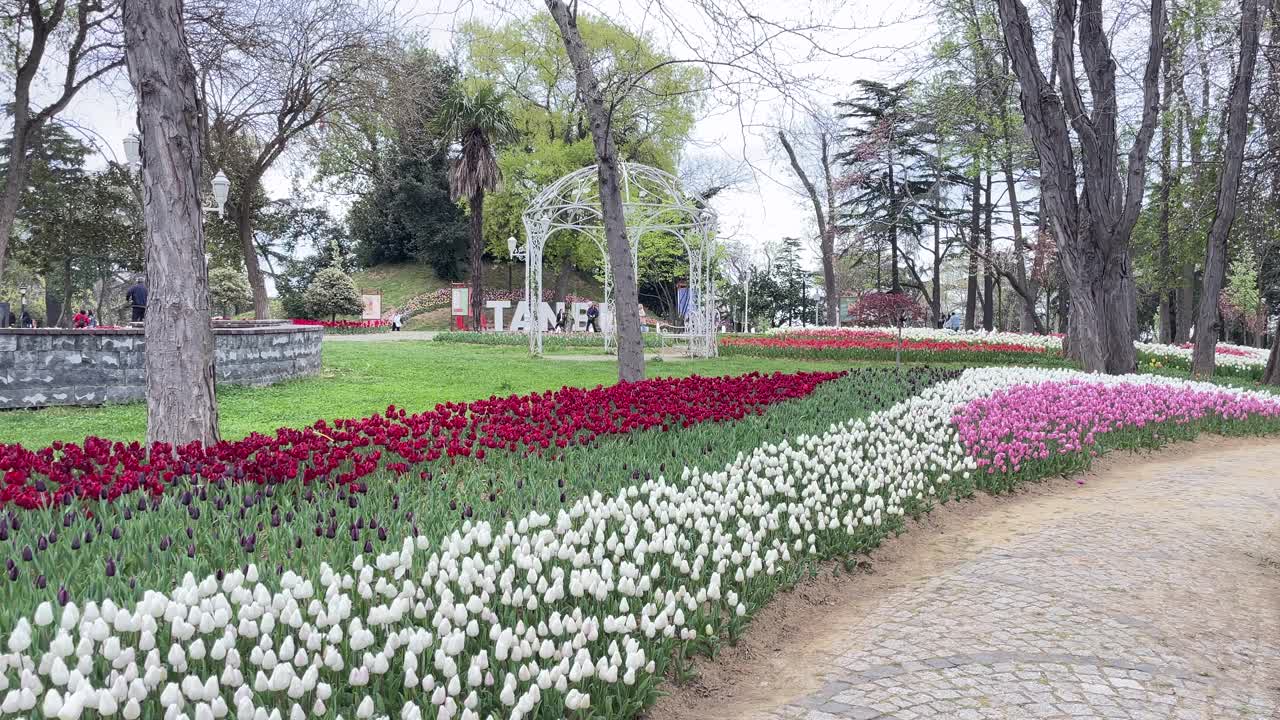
1272,375
182,406
895,281
244,230
825,220
1092,231
937,271
975,227
1166,181
1215,264
988,264
562,278
11,196
476,259
626,293
65,315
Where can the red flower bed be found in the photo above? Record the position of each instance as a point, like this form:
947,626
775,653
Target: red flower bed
345,325
348,451
872,340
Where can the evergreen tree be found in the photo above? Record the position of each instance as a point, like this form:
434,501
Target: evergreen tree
407,215
74,228
886,152
789,288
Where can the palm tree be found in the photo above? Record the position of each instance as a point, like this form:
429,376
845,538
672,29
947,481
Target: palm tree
478,119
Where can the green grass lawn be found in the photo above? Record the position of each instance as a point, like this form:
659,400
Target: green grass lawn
364,378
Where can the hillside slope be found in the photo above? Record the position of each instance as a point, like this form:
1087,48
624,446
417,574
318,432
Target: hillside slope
415,290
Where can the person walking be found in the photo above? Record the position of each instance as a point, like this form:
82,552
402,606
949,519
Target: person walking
397,322
137,298
593,318
27,320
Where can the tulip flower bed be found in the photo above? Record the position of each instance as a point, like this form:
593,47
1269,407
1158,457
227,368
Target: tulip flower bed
550,340
882,345
346,452
347,327
574,610
568,611
977,347
207,525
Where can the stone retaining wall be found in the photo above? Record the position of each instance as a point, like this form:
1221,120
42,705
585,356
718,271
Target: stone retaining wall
53,366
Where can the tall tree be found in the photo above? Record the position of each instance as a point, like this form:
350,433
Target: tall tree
182,405
76,227
77,42
478,119
1215,264
824,213
888,159
270,73
1093,229
626,288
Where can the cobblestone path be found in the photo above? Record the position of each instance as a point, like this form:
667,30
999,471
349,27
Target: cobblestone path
1154,592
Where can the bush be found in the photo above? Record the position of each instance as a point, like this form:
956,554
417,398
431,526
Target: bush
228,290
333,293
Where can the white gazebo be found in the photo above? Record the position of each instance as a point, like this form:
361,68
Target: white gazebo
652,201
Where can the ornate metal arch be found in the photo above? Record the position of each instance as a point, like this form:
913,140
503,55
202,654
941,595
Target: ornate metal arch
653,201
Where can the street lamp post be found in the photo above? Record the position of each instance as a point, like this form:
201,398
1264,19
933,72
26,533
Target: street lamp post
221,186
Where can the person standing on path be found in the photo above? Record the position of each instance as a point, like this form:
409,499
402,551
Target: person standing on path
593,317
137,298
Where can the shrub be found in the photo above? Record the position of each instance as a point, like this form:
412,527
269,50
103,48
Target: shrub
333,293
228,290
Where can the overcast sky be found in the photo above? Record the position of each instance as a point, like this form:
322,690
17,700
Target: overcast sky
735,125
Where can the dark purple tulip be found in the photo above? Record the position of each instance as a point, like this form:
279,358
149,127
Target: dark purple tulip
288,517
355,534
133,583
4,533
297,543
13,573
352,502
68,519
185,498
193,512
560,482
27,554
111,567
116,533
319,531
562,497
331,532
64,597
42,544
41,582
360,523
165,542
219,574
382,534
15,523
191,550
409,516
88,536
453,504
53,536
75,543
415,531
368,546
467,512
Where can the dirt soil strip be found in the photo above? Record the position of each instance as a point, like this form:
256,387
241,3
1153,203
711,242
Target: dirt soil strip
1149,588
